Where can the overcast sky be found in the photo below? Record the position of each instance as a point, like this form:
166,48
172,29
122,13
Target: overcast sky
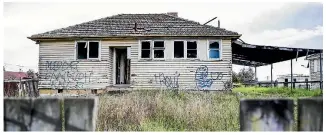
277,24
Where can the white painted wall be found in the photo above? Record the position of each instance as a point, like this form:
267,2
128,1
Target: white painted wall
142,71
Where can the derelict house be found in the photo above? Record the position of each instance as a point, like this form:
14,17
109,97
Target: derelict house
135,51
315,66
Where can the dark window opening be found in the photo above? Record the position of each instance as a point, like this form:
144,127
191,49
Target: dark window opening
158,49
94,91
81,50
158,53
214,50
178,49
192,49
93,49
60,90
145,49
286,82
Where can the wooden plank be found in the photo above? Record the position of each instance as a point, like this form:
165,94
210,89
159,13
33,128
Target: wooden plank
310,114
80,114
17,114
266,115
46,115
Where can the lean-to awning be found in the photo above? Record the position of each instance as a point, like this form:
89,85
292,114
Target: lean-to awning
260,55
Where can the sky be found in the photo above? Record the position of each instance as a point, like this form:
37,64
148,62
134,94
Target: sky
277,24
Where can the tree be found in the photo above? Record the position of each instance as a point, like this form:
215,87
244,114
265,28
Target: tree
235,78
245,74
30,73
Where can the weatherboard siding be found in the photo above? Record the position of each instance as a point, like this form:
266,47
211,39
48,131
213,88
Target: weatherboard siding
315,75
178,73
58,68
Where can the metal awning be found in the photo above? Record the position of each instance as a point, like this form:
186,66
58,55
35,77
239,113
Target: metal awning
260,55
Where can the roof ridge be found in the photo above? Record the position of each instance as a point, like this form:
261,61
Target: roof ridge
197,22
182,18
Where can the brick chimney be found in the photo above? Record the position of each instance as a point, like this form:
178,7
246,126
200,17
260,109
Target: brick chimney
173,14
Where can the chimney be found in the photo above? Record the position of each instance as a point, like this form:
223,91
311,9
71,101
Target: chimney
173,14
218,24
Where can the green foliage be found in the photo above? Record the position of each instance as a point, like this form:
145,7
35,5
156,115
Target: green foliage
277,91
245,74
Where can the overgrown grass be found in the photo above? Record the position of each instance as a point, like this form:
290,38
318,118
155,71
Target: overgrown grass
185,111
277,91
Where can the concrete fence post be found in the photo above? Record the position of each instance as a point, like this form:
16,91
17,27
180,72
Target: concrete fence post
45,114
266,115
310,114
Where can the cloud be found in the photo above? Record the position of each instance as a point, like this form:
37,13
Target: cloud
291,15
288,37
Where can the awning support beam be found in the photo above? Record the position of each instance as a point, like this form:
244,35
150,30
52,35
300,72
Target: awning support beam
291,76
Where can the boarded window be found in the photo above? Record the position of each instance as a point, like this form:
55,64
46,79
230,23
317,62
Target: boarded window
93,49
158,49
191,49
178,49
214,50
145,49
81,50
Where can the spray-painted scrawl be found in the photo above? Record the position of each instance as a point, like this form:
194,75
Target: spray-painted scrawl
65,75
204,78
171,82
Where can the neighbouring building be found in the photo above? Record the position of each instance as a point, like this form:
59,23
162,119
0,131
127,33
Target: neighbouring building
11,75
135,51
286,79
314,68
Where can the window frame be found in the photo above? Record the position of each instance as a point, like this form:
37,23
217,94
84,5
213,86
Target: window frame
87,43
185,49
220,49
140,49
152,50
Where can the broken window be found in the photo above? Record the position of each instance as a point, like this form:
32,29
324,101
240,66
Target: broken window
60,90
82,50
158,49
93,49
214,50
191,49
145,49
178,49
88,50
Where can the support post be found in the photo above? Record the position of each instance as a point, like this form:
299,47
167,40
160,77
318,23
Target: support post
291,76
272,74
320,72
255,73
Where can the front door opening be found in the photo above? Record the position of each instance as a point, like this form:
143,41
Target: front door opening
122,66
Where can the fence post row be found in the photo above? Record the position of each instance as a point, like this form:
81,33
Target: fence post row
47,114
277,114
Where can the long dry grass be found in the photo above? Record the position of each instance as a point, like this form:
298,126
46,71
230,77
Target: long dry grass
185,111
167,111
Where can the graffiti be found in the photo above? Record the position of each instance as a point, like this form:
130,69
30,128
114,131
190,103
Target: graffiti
204,78
65,75
171,82
227,85
61,65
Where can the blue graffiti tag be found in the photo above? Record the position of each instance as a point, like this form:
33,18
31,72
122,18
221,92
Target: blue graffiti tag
205,79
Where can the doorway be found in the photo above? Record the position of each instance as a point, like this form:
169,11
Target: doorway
122,66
